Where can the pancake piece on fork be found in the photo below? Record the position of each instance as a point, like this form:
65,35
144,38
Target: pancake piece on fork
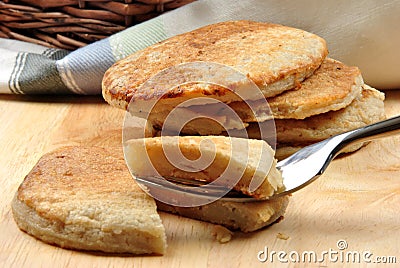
222,159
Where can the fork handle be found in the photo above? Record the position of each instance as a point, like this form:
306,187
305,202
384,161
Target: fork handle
380,129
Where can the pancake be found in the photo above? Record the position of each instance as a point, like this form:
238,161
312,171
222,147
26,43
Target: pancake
77,198
332,87
275,57
367,108
293,134
246,217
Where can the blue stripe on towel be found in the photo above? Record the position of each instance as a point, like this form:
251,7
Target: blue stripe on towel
83,69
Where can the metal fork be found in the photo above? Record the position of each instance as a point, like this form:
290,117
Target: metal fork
298,170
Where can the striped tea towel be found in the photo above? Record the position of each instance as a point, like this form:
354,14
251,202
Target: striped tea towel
362,33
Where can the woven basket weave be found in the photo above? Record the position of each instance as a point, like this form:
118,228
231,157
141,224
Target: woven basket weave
70,24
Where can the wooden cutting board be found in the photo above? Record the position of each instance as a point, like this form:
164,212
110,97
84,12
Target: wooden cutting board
353,205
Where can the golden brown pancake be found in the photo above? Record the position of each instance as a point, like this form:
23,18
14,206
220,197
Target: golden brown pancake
294,134
275,57
366,109
84,198
332,87
246,217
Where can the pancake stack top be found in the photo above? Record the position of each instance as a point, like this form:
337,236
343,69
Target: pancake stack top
275,57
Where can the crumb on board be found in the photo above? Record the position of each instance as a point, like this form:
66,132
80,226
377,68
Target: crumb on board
282,236
222,234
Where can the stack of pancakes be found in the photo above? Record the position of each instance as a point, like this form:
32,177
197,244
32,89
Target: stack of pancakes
310,96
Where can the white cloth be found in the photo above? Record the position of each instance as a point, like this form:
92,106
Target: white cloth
363,33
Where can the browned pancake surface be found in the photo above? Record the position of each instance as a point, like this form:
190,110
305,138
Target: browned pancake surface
332,87
275,57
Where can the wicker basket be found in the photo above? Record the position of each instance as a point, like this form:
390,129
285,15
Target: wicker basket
70,24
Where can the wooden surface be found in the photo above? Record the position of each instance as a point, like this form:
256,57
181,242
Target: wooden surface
357,199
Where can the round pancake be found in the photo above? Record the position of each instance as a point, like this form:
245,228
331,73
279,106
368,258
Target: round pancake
292,134
332,87
275,57
366,109
85,198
